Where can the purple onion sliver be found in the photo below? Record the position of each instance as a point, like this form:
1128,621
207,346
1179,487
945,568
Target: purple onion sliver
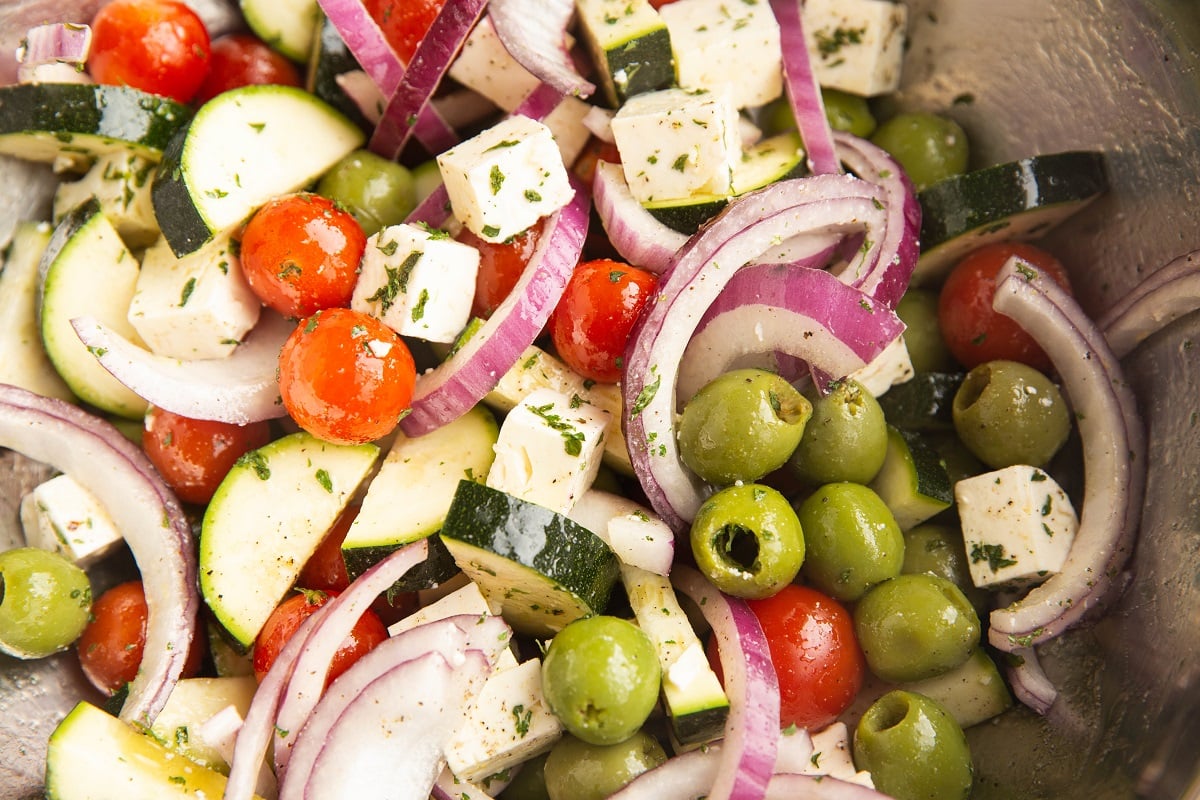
534,33
803,90
1166,295
366,42
1029,683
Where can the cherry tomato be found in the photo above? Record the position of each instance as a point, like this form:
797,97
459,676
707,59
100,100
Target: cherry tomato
404,22
300,254
591,324
241,59
193,455
595,150
345,376
290,615
500,267
110,648
326,568
974,332
158,46
815,652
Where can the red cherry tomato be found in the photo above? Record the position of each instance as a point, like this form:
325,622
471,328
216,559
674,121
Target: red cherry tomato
241,59
345,376
500,267
158,46
594,151
290,615
404,22
815,652
110,648
591,324
300,254
193,455
326,568
973,330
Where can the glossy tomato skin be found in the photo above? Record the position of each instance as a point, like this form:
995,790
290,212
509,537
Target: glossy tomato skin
367,633
158,46
592,322
816,655
300,254
974,332
241,59
193,455
345,377
325,569
404,22
500,267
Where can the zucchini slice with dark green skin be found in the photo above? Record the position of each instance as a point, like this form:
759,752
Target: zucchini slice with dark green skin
542,569
1019,200
70,124
912,482
925,402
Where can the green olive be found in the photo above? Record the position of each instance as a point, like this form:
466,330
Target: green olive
376,191
913,749
601,678
45,601
939,550
846,438
530,781
915,626
851,539
1009,413
741,426
748,540
918,310
576,770
930,147
427,177
848,112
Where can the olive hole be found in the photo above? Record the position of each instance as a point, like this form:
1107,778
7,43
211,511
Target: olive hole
888,712
738,544
973,387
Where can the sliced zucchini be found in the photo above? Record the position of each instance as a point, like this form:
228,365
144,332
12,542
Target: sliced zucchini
288,26
630,45
972,693
70,124
1018,200
268,515
193,702
540,568
121,182
88,271
409,497
243,148
912,481
924,402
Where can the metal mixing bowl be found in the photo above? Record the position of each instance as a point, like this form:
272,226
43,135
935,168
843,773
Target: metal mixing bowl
1022,77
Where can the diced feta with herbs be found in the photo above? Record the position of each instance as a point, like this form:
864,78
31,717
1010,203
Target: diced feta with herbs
411,278
856,46
120,181
831,756
892,366
1018,525
506,178
675,144
63,516
194,307
727,43
549,449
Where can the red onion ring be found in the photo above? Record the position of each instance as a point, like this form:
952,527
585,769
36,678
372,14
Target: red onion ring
55,52
786,786
149,516
636,235
1163,297
1029,683
534,32
802,89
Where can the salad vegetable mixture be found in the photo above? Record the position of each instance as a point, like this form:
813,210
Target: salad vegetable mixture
537,399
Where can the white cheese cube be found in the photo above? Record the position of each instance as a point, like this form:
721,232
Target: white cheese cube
892,366
549,449
856,45
719,43
831,756
412,279
675,144
506,178
63,516
198,306
120,181
510,722
1017,524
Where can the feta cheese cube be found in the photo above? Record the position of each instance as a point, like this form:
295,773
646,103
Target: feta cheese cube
719,43
467,599
831,756
1017,524
549,449
506,178
198,306
120,181
892,366
63,516
412,279
856,45
676,143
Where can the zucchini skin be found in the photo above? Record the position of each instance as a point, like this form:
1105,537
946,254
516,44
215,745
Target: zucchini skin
173,200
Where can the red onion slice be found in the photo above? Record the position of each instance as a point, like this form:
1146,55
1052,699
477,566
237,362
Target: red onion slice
1163,297
640,239
240,388
452,388
149,516
802,89
785,786
55,52
751,738
1029,683
1114,458
534,32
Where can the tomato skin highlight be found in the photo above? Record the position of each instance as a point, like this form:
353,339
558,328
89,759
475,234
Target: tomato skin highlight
973,331
404,22
345,377
158,46
193,455
300,254
241,59
500,266
367,633
592,322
